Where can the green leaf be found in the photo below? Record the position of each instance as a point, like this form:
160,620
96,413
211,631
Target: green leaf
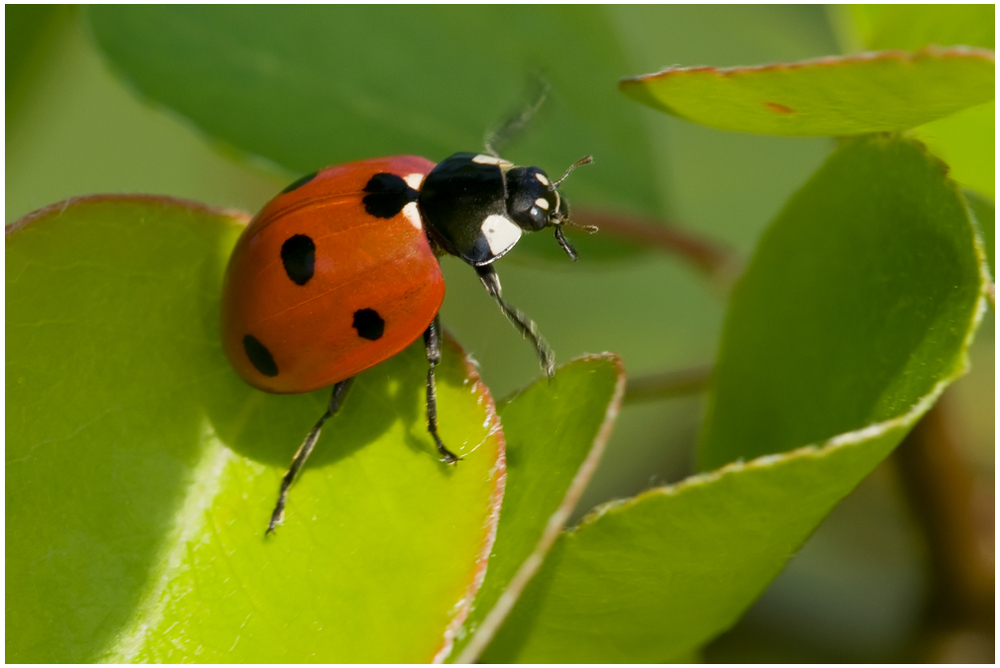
817,344
844,349
846,95
966,142
651,579
555,431
141,471
965,139
311,86
913,27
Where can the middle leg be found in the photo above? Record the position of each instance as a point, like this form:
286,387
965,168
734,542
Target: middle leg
432,341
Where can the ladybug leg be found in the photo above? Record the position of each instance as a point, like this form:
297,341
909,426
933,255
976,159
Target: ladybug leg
521,322
432,340
302,454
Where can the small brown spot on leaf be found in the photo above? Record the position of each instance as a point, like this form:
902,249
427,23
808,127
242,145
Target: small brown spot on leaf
778,108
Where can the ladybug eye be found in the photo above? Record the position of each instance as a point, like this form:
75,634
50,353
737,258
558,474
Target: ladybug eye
532,219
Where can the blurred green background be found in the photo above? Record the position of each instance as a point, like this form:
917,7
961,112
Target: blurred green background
856,591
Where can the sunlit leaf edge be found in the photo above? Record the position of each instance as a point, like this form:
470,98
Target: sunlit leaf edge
859,437
237,215
557,521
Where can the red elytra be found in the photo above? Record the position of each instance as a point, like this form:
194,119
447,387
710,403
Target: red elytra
373,288
339,271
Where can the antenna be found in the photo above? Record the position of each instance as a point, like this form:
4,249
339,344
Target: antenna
585,160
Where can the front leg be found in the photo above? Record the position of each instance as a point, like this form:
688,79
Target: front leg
521,322
432,341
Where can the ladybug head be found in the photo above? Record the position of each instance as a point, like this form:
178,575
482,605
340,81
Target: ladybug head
534,202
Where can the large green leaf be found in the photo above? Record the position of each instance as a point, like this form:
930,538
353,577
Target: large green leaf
141,470
844,349
555,431
868,325
652,578
872,92
311,86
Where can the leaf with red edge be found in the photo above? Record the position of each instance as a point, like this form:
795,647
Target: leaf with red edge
845,95
141,471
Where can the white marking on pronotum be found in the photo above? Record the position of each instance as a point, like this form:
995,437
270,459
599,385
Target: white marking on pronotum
412,214
483,159
541,178
542,203
500,233
414,180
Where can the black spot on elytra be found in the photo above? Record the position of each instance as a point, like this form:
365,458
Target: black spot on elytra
299,182
260,356
369,324
298,254
387,195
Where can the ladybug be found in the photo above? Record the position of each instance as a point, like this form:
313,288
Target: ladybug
340,271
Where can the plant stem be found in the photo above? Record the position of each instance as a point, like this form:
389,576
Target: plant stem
711,258
955,512
678,382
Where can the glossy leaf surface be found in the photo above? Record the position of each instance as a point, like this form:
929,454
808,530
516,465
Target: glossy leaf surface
875,92
844,350
141,471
